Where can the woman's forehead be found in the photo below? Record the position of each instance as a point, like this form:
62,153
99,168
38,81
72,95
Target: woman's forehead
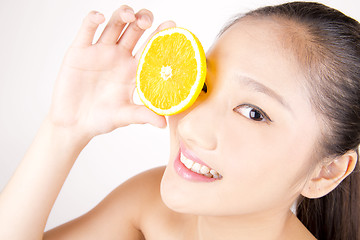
251,41
260,44
254,49
260,33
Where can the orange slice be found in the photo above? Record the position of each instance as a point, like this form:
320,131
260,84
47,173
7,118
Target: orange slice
171,71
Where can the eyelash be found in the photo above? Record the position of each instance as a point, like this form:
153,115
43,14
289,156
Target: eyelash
249,108
204,89
265,117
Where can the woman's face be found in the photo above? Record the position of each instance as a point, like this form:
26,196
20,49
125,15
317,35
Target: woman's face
254,126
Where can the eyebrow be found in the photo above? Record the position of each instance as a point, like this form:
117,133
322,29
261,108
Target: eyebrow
259,87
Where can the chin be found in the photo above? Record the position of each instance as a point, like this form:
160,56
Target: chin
188,196
183,197
171,192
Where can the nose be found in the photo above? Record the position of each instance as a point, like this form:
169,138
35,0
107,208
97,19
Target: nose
198,125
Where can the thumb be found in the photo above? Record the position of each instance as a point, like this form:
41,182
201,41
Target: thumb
142,115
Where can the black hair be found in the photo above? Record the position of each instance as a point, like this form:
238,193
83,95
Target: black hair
329,54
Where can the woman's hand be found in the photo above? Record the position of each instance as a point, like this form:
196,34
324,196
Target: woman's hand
92,95
95,85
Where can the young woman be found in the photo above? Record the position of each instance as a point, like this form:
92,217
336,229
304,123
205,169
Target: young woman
279,124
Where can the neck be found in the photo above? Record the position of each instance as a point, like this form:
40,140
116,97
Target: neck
264,226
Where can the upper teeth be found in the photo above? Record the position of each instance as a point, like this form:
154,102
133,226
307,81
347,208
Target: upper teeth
198,168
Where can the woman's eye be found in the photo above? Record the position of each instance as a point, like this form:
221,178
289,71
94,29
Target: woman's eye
204,89
252,112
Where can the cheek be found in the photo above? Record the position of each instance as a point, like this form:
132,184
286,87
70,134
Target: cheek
173,120
266,168
263,167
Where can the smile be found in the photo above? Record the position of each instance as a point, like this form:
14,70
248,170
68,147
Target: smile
198,168
188,166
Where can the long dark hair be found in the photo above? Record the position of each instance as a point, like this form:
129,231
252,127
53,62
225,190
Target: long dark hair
328,49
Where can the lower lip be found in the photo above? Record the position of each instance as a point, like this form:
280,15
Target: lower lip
187,174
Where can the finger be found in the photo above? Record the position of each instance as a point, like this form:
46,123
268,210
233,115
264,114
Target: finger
142,115
88,28
116,24
164,25
135,29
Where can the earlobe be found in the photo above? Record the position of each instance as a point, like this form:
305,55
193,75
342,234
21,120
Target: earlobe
327,177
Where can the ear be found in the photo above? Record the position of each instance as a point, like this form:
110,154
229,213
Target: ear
326,177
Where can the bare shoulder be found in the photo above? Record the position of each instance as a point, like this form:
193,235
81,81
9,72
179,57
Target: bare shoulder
137,195
120,214
142,188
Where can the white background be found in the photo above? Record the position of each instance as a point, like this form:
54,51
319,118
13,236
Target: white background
34,37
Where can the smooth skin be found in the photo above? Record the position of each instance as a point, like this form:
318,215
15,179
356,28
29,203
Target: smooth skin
158,205
92,96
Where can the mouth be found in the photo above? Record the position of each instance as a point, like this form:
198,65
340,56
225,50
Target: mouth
199,168
190,167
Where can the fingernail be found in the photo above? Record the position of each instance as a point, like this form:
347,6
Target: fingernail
129,15
99,17
168,24
144,22
129,11
146,19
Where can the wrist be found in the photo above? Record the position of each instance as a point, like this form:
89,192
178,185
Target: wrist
71,136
